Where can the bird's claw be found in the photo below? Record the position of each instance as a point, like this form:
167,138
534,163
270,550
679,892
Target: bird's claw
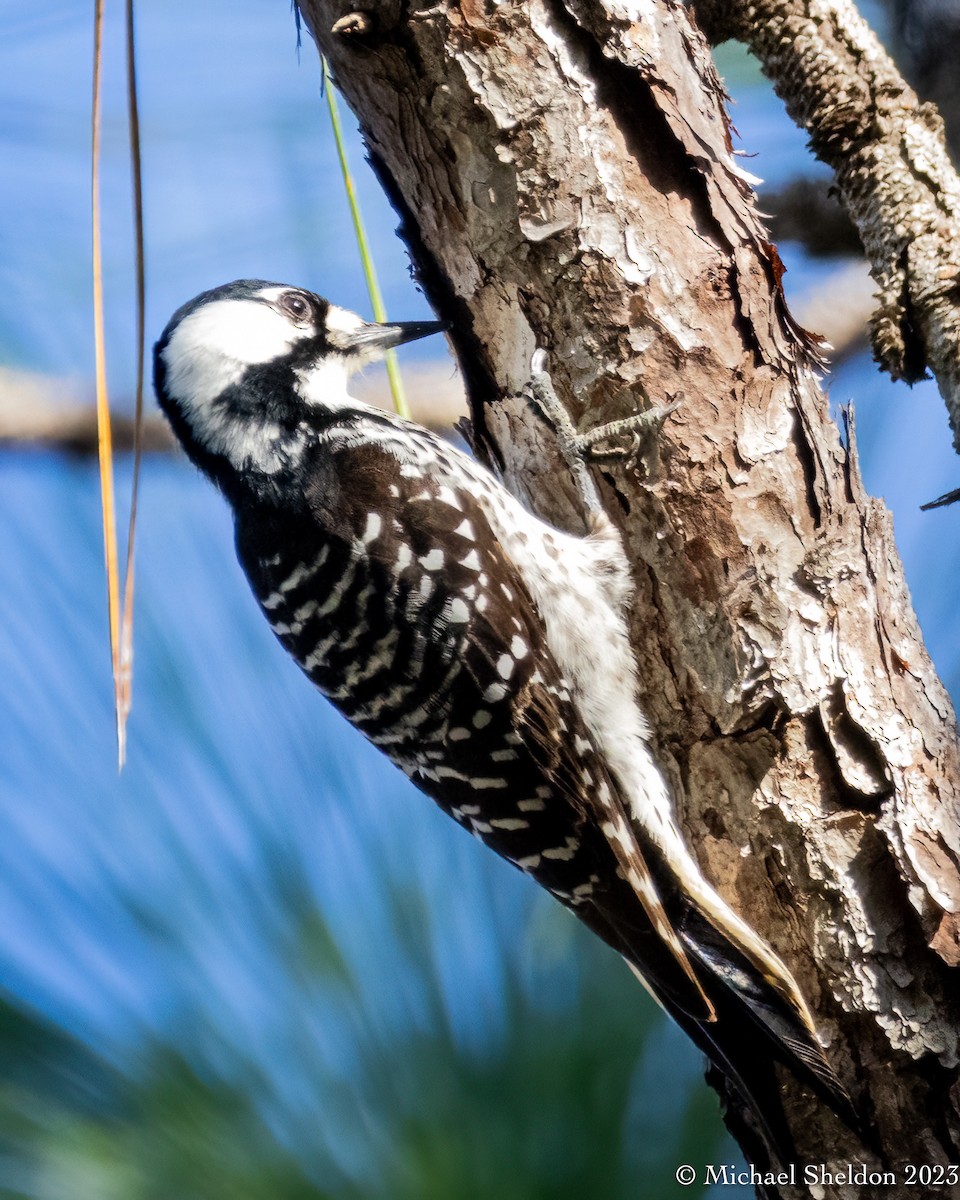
580,448
640,428
541,393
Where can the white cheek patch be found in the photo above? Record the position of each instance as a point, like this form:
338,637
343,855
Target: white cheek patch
210,349
222,338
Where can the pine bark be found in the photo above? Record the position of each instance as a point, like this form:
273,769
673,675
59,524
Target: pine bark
564,176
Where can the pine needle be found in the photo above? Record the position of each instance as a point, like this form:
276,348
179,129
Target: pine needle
104,440
369,271
124,696
120,616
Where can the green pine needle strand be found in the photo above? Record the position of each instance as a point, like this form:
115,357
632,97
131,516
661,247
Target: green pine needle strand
369,271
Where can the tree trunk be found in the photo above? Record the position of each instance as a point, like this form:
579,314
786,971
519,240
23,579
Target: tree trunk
565,180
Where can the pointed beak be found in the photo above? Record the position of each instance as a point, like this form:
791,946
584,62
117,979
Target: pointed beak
372,338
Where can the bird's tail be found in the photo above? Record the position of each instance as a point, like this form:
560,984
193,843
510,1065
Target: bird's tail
759,1015
760,1011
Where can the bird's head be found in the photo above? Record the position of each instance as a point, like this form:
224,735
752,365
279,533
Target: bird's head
238,369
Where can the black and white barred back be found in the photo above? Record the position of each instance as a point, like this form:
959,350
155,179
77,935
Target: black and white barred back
483,651
398,599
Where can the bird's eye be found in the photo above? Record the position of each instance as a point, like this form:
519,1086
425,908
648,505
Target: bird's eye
295,305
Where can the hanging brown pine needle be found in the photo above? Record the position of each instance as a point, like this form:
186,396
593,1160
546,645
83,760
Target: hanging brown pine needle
104,442
124,691
120,616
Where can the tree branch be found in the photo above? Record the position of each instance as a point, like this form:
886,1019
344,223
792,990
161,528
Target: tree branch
892,169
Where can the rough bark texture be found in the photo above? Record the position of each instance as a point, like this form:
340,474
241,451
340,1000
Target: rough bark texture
564,176
891,165
926,44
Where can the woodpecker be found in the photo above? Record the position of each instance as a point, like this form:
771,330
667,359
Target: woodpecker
484,651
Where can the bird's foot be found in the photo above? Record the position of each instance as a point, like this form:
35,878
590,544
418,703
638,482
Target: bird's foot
640,430
578,449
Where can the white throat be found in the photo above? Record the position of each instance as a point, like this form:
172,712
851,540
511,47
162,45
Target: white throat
325,383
